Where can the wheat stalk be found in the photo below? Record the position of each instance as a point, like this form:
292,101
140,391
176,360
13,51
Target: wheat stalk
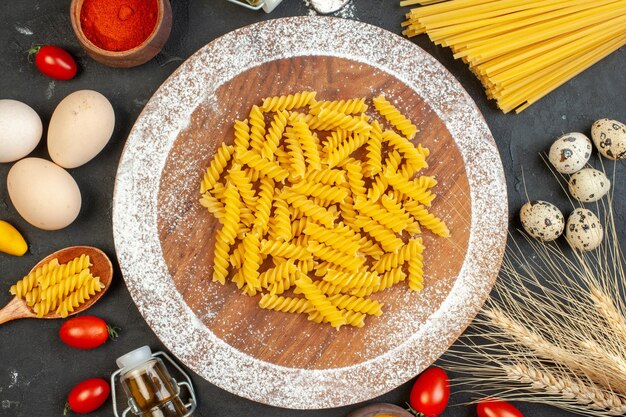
562,385
554,329
608,310
541,347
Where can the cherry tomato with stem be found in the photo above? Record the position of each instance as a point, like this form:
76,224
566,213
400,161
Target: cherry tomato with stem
54,62
430,393
87,332
491,407
87,396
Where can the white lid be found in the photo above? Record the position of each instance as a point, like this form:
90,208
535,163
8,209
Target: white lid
269,5
134,358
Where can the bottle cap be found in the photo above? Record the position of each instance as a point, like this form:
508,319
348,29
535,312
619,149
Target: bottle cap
134,358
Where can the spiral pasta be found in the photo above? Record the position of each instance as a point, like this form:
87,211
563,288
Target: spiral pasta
332,237
307,144
264,206
257,129
409,188
326,253
396,223
297,162
78,297
321,191
393,115
337,155
289,102
284,249
64,271
251,262
318,209
387,238
226,235
66,286
215,169
319,301
266,167
52,285
358,304
21,288
374,151
309,208
395,259
351,106
242,136
331,119
326,176
285,304
351,280
274,135
416,273
414,158
352,318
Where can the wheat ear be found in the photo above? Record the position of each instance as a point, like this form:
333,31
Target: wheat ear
563,385
607,309
541,347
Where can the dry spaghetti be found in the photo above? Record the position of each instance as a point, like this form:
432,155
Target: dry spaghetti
522,50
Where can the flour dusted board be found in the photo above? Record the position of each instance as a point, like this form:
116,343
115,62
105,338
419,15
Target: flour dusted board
165,239
284,339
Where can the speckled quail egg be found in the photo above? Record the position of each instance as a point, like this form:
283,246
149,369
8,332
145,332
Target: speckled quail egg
609,137
570,152
542,220
588,185
583,230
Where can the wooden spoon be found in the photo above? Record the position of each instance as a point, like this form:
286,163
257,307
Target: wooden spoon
101,267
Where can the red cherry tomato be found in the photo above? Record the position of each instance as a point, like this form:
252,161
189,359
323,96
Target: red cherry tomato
497,408
54,62
86,332
431,392
88,396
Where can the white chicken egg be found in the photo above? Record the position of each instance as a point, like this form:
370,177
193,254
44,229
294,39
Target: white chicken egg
43,193
20,130
542,220
609,136
570,152
80,128
584,231
588,185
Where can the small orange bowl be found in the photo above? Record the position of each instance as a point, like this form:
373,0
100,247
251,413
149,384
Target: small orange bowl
381,410
133,57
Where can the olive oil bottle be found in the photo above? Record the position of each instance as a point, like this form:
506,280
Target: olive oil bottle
151,390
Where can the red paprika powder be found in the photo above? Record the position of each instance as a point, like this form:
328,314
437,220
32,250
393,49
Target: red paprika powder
118,25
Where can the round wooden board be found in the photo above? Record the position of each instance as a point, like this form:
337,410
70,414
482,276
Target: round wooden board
165,239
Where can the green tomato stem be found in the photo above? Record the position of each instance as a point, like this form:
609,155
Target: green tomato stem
113,332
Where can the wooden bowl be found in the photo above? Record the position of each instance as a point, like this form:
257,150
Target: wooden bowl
131,57
380,410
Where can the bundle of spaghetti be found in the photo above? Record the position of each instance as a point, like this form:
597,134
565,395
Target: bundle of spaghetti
522,50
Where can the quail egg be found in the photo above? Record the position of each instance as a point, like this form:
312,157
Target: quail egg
609,137
584,231
542,220
588,185
570,152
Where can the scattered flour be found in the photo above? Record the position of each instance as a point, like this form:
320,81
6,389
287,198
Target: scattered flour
50,90
325,6
135,213
24,30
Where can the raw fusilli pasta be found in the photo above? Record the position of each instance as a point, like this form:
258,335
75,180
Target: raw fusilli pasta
316,200
393,115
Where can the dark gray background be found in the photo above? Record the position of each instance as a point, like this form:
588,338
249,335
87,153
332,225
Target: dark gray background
36,369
